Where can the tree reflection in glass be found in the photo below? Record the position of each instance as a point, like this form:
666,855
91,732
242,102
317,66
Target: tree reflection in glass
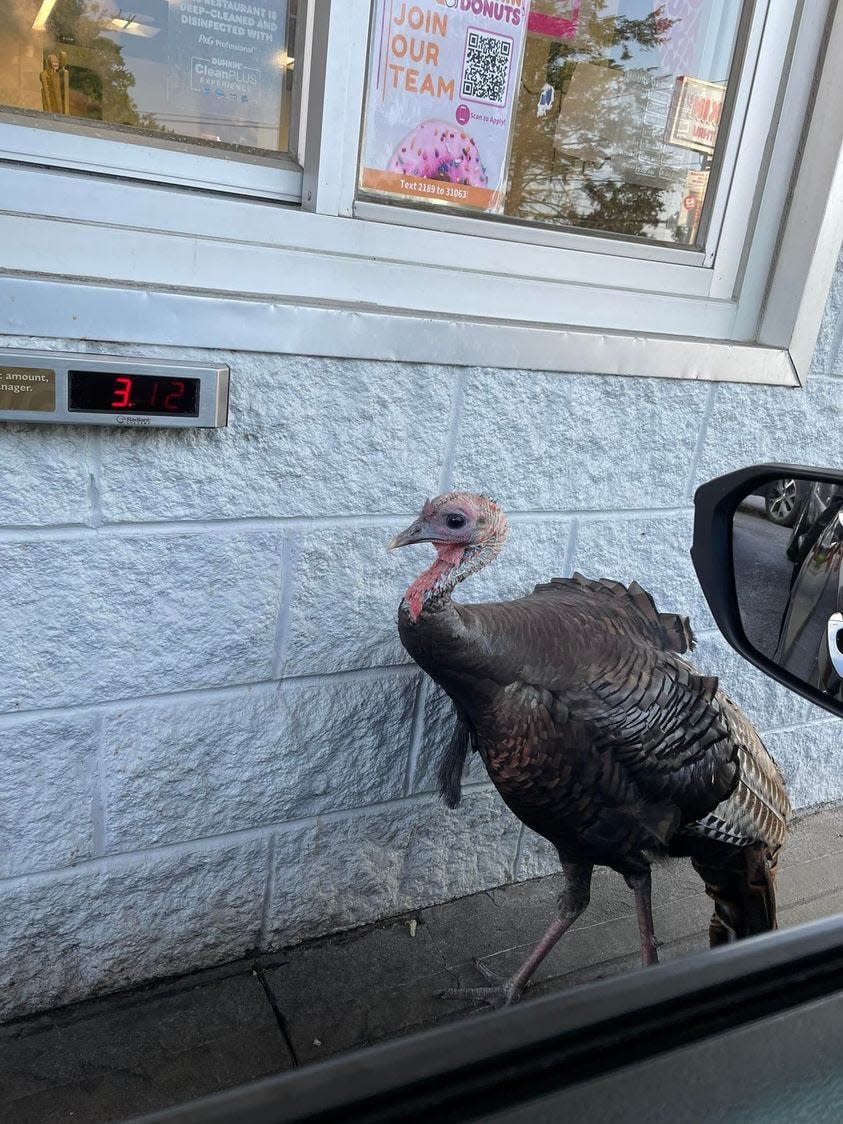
618,113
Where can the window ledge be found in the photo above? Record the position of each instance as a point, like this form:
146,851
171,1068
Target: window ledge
47,143
61,225
35,306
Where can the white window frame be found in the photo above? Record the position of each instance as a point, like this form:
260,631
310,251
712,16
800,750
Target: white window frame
50,142
98,148
241,264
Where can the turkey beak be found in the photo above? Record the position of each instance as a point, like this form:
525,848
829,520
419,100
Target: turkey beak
412,535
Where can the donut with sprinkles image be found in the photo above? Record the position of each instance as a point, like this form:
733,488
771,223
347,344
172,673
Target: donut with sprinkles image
435,150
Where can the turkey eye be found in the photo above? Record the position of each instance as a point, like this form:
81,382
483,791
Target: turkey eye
455,521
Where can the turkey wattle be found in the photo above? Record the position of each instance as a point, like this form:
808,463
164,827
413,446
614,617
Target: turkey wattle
596,732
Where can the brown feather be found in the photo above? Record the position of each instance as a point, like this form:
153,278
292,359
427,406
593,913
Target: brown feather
450,769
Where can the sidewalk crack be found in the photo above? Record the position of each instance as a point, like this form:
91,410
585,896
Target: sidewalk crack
276,1010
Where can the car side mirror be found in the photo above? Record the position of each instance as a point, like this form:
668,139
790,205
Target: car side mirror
768,542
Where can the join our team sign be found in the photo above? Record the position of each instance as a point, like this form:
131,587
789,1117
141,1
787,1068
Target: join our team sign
442,87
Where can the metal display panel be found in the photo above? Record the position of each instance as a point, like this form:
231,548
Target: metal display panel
78,389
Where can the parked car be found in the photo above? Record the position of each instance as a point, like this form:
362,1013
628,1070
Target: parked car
811,639
784,500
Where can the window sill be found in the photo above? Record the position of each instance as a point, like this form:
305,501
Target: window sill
90,257
49,142
63,309
479,291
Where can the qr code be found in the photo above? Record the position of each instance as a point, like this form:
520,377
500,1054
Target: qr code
485,72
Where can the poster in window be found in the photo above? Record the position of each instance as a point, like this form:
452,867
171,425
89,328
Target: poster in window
227,68
443,84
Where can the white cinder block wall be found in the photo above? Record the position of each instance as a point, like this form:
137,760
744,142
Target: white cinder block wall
211,739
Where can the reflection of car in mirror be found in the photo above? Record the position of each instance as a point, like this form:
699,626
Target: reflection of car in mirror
810,518
783,501
788,577
816,596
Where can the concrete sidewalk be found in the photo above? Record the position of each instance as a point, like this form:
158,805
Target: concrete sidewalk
114,1058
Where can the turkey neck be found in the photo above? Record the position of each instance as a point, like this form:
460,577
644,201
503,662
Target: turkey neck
430,625
431,591
437,640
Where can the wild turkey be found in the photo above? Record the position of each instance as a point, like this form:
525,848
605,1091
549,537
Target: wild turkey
596,732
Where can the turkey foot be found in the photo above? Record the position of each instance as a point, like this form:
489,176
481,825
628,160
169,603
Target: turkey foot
570,904
501,993
506,992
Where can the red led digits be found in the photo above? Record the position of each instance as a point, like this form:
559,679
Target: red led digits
122,393
122,399
173,399
108,392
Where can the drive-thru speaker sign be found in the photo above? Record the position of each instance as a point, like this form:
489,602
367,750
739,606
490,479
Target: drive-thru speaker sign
443,84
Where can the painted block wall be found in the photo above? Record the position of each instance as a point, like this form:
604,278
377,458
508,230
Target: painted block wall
211,739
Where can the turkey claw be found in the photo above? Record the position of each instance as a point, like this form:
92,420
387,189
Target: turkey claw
501,993
483,996
487,973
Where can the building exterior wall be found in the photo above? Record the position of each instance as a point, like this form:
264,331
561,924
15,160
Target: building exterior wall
212,739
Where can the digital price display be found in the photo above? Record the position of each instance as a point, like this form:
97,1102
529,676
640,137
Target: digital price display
62,388
101,392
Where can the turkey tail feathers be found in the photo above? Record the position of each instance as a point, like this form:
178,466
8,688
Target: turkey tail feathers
743,888
452,763
676,631
670,631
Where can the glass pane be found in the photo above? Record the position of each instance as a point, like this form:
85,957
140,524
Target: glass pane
209,70
596,114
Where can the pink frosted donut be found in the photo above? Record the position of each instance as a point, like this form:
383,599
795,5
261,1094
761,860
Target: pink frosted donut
436,150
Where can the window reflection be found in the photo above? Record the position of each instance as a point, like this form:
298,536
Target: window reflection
618,114
596,114
218,71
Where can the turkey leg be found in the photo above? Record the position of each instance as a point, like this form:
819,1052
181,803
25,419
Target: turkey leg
570,904
640,884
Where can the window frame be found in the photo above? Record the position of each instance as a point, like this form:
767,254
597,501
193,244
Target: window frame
342,276
32,137
752,26
49,141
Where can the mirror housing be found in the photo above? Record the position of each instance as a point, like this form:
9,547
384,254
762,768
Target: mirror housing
768,543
